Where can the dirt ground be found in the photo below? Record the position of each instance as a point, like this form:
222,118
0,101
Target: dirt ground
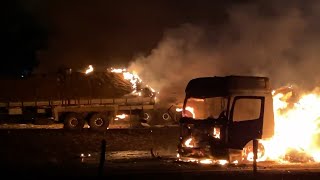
52,151
33,147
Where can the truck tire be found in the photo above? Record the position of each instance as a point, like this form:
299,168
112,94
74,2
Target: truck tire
73,121
247,152
99,122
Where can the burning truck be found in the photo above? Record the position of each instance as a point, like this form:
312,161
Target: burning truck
222,116
99,99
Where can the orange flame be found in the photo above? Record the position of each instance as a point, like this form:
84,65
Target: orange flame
189,143
216,132
121,116
296,128
89,69
132,77
189,109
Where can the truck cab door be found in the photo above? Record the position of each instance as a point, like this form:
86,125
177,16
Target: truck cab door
246,120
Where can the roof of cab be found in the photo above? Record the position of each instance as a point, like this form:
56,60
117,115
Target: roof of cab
222,86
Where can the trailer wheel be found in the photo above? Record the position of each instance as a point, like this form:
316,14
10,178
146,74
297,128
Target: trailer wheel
166,116
99,122
73,121
147,116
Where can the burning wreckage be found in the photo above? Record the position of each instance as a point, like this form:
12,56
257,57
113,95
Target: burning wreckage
223,116
220,117
100,99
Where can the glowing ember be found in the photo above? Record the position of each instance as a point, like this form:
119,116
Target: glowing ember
89,69
235,162
118,70
222,162
179,109
216,132
121,116
206,161
189,143
296,128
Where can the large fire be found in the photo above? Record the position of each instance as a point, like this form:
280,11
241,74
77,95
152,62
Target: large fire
297,123
296,130
132,77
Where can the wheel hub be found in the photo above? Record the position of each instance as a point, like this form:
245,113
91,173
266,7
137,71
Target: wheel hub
146,116
74,122
98,122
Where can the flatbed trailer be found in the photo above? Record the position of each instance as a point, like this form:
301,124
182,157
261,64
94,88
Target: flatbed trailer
74,113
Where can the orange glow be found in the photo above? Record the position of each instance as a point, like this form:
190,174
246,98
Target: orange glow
296,128
260,156
189,143
216,132
121,116
130,76
89,69
133,77
189,109
206,161
222,162
179,109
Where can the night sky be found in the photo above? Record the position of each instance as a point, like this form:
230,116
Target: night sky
157,39
76,33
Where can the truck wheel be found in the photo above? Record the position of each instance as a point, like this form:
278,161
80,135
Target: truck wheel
247,152
73,121
99,122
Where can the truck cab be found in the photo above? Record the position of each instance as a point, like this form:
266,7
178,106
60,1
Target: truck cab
221,116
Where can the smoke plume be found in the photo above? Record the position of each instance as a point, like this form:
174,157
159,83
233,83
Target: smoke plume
278,40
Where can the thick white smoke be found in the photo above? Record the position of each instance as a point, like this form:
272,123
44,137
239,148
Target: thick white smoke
278,40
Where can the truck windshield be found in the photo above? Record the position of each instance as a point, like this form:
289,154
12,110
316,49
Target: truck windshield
205,108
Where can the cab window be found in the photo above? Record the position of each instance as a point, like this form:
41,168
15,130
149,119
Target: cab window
246,109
